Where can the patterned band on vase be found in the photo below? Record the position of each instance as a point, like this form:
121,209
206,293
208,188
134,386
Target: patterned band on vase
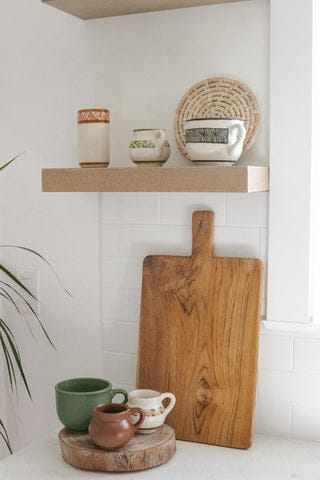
93,115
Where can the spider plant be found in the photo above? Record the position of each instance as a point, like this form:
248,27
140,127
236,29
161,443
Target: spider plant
15,293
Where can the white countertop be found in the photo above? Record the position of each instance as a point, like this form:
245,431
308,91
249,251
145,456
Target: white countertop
270,458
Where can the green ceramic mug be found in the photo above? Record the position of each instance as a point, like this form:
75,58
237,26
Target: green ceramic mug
77,397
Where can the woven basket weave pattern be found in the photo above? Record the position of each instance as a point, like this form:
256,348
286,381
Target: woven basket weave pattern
218,98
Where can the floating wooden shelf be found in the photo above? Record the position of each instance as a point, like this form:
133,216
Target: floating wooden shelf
156,179
88,9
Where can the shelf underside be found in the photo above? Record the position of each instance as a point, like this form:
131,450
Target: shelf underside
157,179
89,9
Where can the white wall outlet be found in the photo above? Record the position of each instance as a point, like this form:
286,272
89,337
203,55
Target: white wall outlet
30,277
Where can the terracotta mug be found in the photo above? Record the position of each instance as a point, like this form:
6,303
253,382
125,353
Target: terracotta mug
151,402
111,426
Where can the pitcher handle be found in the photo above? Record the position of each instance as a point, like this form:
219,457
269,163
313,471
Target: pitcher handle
241,135
172,402
114,392
162,139
137,411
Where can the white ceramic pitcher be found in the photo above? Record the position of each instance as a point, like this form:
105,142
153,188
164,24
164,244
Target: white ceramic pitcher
151,402
149,147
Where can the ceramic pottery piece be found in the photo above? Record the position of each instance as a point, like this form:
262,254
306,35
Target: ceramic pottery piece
93,137
77,397
151,402
218,141
111,426
218,97
149,147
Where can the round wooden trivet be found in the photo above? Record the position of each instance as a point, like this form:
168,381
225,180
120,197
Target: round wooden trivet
143,451
218,98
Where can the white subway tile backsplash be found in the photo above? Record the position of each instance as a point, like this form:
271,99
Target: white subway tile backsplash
124,207
135,302
289,387
306,423
121,272
161,240
273,419
276,352
143,240
120,337
116,304
307,355
121,304
246,209
120,368
116,240
177,208
236,242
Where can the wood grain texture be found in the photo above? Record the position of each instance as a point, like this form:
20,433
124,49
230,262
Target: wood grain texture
199,332
156,179
88,9
143,451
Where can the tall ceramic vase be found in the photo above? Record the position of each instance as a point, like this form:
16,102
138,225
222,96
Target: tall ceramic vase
93,137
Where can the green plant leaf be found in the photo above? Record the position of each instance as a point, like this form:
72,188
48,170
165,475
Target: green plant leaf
9,298
5,436
32,311
10,366
43,259
13,352
16,280
2,167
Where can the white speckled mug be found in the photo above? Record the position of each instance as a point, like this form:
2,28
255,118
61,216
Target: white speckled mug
151,402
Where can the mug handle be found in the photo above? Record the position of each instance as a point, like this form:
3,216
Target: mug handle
171,404
137,411
241,135
114,392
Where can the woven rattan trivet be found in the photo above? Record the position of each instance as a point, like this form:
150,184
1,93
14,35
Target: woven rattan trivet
218,98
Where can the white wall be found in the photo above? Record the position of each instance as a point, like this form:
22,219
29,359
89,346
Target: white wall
139,66
143,64
41,87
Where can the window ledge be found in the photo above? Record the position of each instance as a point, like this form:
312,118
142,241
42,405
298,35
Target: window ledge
295,329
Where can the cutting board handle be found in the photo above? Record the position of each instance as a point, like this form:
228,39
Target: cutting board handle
202,232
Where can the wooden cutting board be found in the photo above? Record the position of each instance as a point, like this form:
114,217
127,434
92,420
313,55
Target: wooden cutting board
199,331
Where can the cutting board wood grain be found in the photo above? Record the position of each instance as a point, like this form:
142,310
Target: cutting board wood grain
198,338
